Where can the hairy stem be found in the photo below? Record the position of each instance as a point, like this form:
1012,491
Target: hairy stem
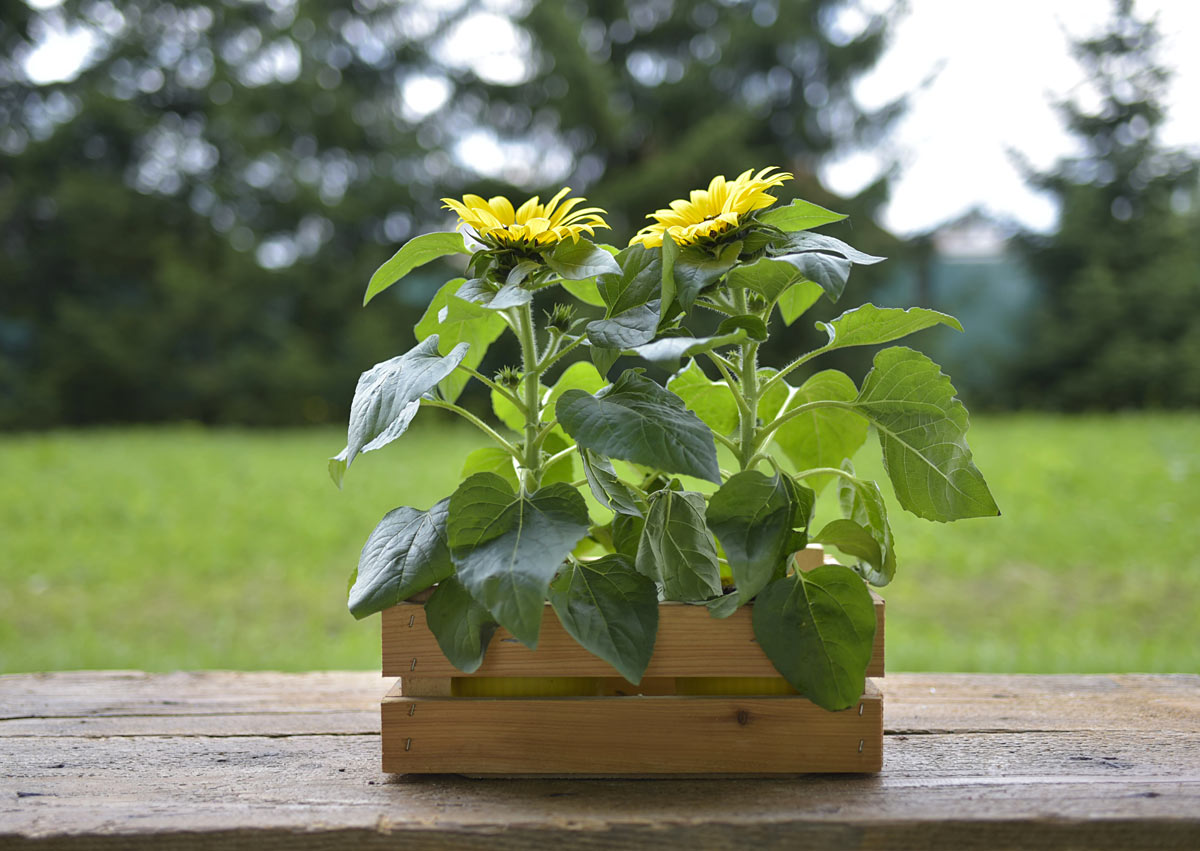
478,423
531,462
748,413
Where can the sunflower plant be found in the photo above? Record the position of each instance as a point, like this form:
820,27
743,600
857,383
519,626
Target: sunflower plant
606,495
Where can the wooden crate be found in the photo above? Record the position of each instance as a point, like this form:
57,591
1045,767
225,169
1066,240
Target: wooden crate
710,703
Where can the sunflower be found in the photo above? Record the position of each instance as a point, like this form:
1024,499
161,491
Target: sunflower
532,225
710,212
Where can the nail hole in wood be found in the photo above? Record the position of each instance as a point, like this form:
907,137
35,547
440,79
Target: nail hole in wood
743,717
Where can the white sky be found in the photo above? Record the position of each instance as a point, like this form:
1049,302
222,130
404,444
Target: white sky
996,67
1002,64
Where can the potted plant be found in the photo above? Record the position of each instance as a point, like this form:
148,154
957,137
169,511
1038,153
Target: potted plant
628,548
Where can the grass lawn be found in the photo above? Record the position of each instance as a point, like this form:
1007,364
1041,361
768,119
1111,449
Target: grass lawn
177,548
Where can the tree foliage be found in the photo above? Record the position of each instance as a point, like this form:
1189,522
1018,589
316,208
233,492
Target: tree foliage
1121,320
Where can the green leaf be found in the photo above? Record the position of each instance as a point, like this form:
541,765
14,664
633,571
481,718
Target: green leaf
608,489
869,325
586,291
711,401
673,349
694,270
795,302
462,627
578,261
509,295
521,271
386,399
562,470
627,533
636,420
799,215
752,516
766,276
922,428
822,437
862,502
818,629
580,375
491,459
405,554
755,328
670,253
416,252
611,610
771,402
507,546
456,321
603,358
640,280
627,330
799,242
828,270
854,540
676,548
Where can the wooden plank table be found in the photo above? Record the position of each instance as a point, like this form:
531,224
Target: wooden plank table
97,760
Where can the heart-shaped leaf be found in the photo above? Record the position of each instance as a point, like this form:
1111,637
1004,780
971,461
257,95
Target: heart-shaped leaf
405,554
712,401
416,252
818,629
676,548
386,399
752,515
870,325
637,420
608,489
463,628
508,546
922,428
611,610
578,261
822,437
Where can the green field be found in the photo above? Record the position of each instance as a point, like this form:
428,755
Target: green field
177,548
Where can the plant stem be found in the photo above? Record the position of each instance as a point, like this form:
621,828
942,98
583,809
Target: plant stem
499,388
766,431
800,361
818,471
748,414
475,421
531,466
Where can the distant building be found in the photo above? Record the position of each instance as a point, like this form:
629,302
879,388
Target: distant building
966,268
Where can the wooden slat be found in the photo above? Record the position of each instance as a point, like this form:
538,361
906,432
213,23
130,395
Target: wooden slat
644,736
690,643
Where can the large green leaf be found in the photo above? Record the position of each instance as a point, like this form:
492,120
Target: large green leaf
922,428
854,540
627,330
772,400
712,401
405,554
586,291
869,325
752,515
795,302
639,280
828,270
491,459
386,399
462,627
611,610
416,252
578,261
862,501
695,269
798,242
670,350
818,629
676,548
580,375
636,420
799,215
456,321
608,489
822,437
768,277
508,546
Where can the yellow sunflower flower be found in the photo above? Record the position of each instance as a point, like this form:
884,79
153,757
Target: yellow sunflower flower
710,212
532,225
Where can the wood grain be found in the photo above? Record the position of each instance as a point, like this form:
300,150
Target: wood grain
637,735
690,643
970,761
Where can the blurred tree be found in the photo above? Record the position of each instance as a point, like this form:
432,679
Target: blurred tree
188,217
1120,326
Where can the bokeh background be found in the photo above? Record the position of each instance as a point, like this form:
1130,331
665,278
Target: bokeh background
193,195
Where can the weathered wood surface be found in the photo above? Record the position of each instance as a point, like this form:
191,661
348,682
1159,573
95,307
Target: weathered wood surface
265,761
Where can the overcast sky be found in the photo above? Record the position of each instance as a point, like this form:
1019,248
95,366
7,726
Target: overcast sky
999,67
